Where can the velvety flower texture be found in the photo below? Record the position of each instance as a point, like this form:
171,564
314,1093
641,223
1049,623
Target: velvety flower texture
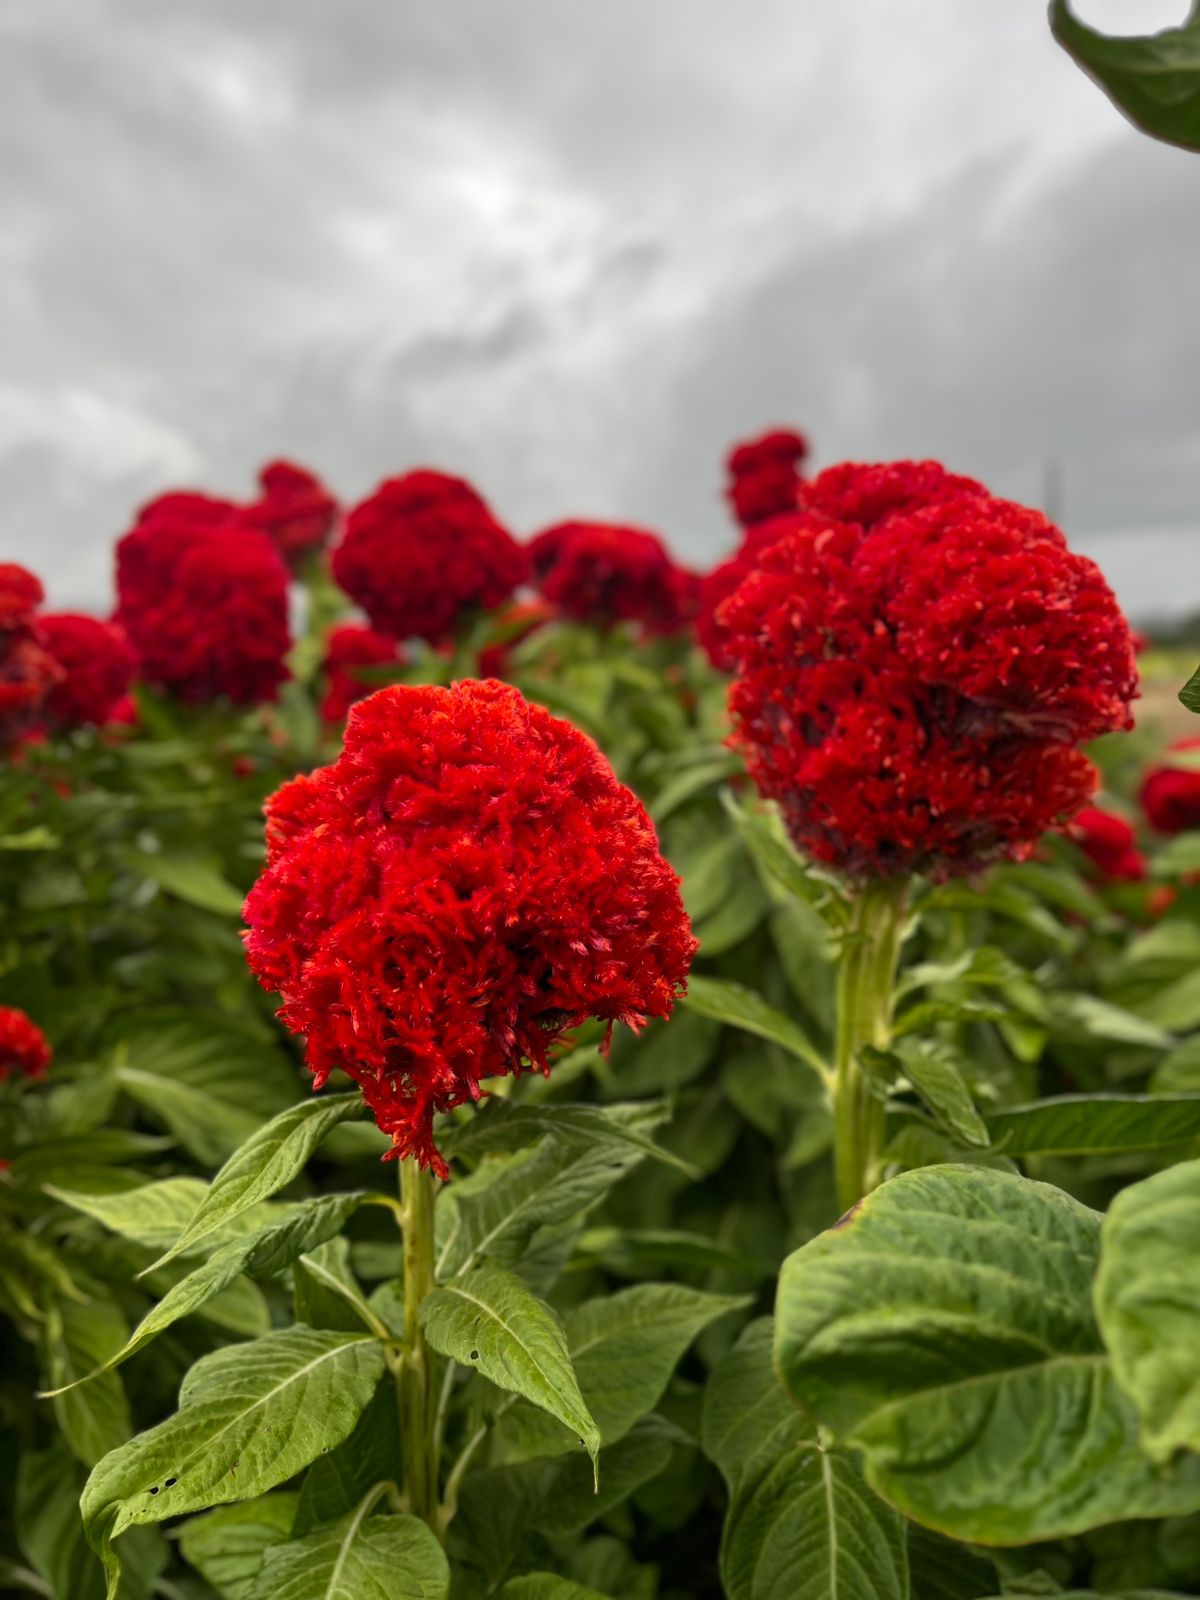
28,672
716,586
605,573
422,552
764,475
467,881
98,668
916,673
1170,795
1109,843
347,647
24,1049
295,510
203,599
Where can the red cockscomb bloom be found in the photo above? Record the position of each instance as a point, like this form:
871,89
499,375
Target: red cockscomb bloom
764,475
604,573
1170,795
347,647
1109,842
23,1046
422,552
467,881
21,593
203,599
913,682
716,586
97,664
27,671
295,510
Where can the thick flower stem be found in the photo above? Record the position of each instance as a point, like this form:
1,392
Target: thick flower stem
416,1389
866,978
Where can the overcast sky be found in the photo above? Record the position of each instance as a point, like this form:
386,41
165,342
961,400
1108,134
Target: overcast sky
571,248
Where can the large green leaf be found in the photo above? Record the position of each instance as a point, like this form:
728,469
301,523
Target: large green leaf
192,878
151,1214
546,1586
944,1328
269,1160
227,1546
1153,80
76,1340
502,1126
1148,1304
742,1008
335,1483
361,1557
1073,1124
744,1403
249,1417
490,1321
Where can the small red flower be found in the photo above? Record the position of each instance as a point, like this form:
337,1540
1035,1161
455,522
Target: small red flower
203,599
913,681
98,667
347,647
765,477
24,1048
1170,795
605,573
27,671
466,882
295,510
424,551
1109,843
21,593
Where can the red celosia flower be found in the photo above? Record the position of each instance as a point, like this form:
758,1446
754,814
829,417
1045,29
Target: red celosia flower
1170,795
203,599
20,595
764,475
295,510
23,1046
913,682
347,647
1109,843
97,664
603,573
27,672
467,881
716,586
422,552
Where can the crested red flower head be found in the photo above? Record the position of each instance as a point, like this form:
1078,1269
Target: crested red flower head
98,667
1109,843
764,475
27,671
346,648
203,599
1170,795
21,593
295,510
716,586
604,573
422,553
466,882
24,1048
915,675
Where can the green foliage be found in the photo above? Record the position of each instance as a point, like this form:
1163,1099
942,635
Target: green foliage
1153,80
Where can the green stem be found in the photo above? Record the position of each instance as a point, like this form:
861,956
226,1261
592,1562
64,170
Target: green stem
415,1377
866,978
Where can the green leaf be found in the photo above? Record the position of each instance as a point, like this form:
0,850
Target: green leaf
1093,1018
745,1406
933,1072
1154,80
1074,1124
362,1557
490,1321
769,845
151,1214
269,1160
335,1483
76,1340
546,1586
1189,695
688,784
262,1254
743,1008
804,1526
191,878
250,1416
1148,1304
227,1546
502,1126
944,1327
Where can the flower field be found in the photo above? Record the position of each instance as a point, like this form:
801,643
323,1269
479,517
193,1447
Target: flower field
529,1072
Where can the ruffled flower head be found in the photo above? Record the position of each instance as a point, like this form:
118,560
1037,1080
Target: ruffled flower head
295,510
605,573
1170,794
24,1048
765,475
346,648
97,666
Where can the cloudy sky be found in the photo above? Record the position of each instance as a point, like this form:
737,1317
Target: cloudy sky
571,248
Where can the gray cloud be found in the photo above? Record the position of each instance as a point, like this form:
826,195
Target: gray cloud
573,250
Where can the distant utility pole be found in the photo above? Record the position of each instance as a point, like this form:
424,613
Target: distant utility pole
1054,500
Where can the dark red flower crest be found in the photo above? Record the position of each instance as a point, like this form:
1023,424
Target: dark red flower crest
1109,843
765,475
606,573
97,664
465,883
295,510
716,586
1170,795
21,593
912,685
28,672
203,599
422,553
24,1049
346,648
